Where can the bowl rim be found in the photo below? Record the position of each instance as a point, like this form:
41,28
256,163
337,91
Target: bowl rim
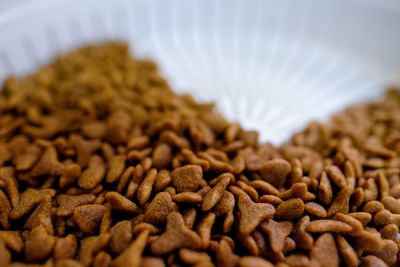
27,8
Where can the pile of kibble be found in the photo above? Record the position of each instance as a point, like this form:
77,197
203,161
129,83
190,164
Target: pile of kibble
102,164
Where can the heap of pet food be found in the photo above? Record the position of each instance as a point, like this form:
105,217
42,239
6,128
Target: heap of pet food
103,165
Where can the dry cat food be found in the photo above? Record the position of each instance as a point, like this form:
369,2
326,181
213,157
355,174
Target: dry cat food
103,165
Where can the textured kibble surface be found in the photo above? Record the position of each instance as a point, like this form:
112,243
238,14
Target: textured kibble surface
102,164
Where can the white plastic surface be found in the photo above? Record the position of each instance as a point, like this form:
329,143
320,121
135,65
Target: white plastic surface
272,65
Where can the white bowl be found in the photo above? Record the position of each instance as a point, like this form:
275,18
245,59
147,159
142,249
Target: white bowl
272,65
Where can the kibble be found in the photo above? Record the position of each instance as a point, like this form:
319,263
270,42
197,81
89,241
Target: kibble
103,165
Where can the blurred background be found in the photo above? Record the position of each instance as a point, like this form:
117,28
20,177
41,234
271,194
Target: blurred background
272,65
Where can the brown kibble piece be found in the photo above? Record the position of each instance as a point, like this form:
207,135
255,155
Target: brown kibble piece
94,174
232,132
226,204
145,188
298,190
138,142
303,239
391,204
238,165
389,231
5,154
174,140
152,262
187,178
325,194
121,236
116,166
126,177
290,245
38,245
290,209
88,217
337,176
159,208
188,198
71,174
249,261
176,236
89,246
204,191
65,248
341,203
41,216
11,187
252,214
264,187
225,255
66,263
363,217
373,207
102,259
162,156
248,189
48,164
388,252
325,252
215,194
382,218
250,245
277,233
315,209
370,190
383,183
357,197
189,217
29,199
356,225
140,155
67,203
367,241
26,158
193,257
204,228
5,209
321,226
120,203
94,129
381,151
275,172
191,158
5,255
395,191
84,148
347,252
106,221
162,180
298,260
216,166
12,240
142,226
59,226
271,199
372,261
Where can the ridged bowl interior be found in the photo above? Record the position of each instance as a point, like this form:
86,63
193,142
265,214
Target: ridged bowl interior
271,65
